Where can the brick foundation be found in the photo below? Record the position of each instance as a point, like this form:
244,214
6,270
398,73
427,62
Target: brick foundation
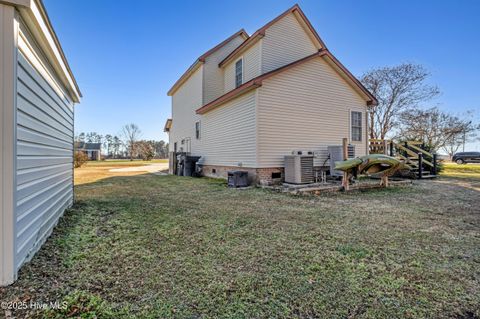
261,176
269,176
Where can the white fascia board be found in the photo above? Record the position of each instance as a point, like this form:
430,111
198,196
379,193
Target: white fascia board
42,31
16,3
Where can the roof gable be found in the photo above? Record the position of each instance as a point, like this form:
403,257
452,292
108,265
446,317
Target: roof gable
260,33
201,59
88,146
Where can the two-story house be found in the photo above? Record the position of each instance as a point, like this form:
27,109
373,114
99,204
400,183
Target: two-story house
251,100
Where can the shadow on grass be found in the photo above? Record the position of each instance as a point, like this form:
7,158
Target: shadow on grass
167,246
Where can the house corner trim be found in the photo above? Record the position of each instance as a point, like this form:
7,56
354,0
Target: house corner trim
8,38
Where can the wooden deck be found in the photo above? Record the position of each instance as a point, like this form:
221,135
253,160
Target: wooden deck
413,153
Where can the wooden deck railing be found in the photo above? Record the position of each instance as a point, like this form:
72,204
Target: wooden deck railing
412,152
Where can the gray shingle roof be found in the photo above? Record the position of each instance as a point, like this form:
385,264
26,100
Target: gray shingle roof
88,146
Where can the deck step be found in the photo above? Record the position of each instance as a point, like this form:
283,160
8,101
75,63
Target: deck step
426,172
428,176
409,153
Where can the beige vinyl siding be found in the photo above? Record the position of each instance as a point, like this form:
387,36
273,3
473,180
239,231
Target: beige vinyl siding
229,76
285,42
44,180
251,66
185,101
212,74
229,133
305,108
252,62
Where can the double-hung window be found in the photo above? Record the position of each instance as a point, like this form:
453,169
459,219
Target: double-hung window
238,73
356,118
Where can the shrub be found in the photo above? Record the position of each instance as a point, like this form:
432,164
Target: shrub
79,159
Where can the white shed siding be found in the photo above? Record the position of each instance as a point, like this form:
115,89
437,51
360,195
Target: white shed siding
307,107
27,44
185,101
285,42
213,78
36,136
251,66
228,133
44,152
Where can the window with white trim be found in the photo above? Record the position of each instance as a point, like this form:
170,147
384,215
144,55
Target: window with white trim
356,119
238,73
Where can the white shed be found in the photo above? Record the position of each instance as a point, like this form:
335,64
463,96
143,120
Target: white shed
37,95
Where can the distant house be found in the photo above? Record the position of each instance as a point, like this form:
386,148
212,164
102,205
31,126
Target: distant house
37,96
92,150
251,100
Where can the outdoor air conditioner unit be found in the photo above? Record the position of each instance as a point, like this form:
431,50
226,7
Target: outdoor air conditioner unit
336,155
299,169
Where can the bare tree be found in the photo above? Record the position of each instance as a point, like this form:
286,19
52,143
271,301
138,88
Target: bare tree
468,132
146,150
397,89
436,128
131,134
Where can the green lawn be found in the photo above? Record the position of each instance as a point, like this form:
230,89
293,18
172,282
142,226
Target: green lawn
152,246
465,170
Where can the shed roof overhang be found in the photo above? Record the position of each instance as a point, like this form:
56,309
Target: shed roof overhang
34,15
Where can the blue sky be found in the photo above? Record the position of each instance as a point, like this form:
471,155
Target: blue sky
127,54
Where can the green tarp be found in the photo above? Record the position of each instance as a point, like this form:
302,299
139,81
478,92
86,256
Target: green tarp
371,164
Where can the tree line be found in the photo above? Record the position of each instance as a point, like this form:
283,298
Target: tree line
404,110
126,144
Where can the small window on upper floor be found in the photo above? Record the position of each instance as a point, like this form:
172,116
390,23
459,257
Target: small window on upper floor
238,73
356,119
197,130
